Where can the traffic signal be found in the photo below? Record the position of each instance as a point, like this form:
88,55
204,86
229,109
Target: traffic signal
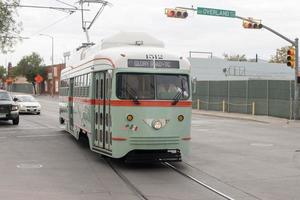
176,13
255,24
291,57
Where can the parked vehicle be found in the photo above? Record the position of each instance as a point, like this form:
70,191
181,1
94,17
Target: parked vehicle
28,104
9,110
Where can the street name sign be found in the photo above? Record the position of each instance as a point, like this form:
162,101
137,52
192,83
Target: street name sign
215,12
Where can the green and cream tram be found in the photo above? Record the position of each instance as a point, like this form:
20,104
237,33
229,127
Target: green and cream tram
130,97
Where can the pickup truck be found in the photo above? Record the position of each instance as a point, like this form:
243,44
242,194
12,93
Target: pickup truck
9,109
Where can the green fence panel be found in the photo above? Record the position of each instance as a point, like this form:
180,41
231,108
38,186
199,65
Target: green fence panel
279,90
258,89
237,105
202,88
218,89
280,108
238,89
271,97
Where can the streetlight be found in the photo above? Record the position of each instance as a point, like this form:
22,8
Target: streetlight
52,39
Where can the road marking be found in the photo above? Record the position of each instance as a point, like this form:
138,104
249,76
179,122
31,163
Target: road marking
29,166
262,144
32,136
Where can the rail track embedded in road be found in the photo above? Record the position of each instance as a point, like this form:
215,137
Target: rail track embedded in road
126,180
198,181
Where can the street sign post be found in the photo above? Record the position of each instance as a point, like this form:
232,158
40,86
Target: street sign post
215,12
38,78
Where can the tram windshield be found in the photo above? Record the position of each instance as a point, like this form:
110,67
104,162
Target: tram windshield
152,86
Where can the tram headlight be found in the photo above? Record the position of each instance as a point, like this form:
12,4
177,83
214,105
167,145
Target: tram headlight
129,117
180,118
156,125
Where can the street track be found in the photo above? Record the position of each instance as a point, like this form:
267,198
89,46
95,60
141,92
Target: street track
219,180
197,181
138,193
142,196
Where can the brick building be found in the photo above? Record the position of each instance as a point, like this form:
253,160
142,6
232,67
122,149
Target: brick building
51,84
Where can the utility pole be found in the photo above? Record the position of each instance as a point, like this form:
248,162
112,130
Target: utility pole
52,60
296,97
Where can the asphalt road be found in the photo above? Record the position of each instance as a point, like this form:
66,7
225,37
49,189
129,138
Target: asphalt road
242,159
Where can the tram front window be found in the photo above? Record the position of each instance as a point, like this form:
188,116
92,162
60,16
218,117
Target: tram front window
152,86
169,87
135,86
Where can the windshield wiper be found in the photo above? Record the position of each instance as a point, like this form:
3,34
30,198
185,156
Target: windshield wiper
133,95
179,94
177,97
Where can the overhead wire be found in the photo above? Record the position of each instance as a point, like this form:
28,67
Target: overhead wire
50,25
66,3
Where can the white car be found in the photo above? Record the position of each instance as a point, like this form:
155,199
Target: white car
28,104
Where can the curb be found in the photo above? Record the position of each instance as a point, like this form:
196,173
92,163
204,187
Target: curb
245,118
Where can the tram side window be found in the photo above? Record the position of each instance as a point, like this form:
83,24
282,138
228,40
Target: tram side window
63,89
75,93
81,85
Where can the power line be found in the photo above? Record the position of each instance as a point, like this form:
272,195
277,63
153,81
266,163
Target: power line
52,24
71,10
66,4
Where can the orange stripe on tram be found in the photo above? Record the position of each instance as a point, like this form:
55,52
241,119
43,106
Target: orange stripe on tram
129,103
119,138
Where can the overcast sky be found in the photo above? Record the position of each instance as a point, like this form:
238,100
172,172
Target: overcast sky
196,33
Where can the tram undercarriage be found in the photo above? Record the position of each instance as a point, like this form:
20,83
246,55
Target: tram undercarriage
142,156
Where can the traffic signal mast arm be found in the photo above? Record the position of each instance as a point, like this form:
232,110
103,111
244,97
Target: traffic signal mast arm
252,21
295,44
268,28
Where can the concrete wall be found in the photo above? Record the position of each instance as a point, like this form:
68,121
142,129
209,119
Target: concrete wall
220,69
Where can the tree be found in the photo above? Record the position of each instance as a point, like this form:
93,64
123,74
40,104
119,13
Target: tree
280,56
237,57
2,72
9,27
30,66
27,63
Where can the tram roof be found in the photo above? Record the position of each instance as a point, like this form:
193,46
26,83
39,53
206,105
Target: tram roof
118,49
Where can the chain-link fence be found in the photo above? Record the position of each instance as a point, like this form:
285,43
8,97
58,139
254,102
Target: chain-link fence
260,97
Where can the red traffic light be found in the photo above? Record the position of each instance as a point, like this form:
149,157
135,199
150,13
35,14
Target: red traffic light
176,13
291,57
247,24
253,24
170,13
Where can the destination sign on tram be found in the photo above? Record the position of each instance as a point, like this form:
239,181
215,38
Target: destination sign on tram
140,63
169,64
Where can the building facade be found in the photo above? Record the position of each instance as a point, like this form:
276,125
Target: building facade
51,84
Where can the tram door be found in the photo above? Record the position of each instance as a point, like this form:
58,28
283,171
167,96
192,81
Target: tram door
102,129
70,104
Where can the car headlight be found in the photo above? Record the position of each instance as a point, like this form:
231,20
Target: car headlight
14,108
156,125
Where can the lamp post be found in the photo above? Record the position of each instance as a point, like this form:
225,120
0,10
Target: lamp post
52,57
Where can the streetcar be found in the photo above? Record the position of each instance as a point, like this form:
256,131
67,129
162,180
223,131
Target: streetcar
130,97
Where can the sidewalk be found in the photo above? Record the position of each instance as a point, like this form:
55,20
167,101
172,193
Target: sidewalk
239,116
